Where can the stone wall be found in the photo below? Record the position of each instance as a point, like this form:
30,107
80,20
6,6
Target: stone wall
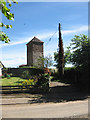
34,51
37,52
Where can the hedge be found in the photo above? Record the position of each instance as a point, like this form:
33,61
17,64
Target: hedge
17,72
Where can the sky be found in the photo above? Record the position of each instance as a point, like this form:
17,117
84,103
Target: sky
41,19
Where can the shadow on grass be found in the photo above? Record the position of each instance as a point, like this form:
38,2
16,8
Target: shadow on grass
19,82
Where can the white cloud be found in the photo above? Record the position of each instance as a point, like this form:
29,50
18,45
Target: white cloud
47,35
80,29
25,40
14,61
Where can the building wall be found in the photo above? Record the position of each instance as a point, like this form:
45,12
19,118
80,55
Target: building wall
29,55
34,51
37,51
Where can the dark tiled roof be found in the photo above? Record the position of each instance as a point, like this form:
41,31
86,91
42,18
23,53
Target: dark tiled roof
35,40
22,65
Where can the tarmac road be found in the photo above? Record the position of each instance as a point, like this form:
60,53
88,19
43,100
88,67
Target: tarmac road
46,110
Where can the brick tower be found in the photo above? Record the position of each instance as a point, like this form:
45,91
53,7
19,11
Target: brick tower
34,51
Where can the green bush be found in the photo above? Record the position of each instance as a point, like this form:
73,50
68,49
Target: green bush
43,81
2,76
30,82
6,75
18,72
25,74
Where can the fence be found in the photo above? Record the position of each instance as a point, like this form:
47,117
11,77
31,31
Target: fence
20,89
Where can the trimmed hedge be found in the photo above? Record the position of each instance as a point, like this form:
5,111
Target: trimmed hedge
17,72
78,76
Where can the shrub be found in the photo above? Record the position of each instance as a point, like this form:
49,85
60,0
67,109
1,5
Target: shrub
29,82
5,75
8,76
25,74
43,81
2,76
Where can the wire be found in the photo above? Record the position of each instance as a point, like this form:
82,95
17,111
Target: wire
50,38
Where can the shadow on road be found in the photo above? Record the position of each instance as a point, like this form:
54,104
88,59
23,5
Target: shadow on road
61,94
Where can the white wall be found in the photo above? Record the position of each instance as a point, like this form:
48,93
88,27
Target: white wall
0,71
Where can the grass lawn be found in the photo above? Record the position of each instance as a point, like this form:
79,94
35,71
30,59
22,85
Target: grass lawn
11,81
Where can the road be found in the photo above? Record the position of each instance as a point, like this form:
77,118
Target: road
46,110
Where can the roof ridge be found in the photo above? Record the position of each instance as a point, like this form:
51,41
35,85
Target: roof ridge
35,41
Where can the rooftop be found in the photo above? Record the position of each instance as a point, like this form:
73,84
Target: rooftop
35,39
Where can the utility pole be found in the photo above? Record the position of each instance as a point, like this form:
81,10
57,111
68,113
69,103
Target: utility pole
61,54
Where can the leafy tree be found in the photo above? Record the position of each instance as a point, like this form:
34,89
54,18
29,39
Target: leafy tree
45,62
78,53
48,61
80,48
4,8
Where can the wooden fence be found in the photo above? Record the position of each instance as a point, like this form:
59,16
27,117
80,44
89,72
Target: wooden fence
20,88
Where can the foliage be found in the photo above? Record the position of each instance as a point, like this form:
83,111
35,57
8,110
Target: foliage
20,72
25,74
40,81
29,82
80,48
56,58
78,52
60,55
40,63
6,75
48,61
45,61
4,7
43,81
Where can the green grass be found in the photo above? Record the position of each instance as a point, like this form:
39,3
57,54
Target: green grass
11,81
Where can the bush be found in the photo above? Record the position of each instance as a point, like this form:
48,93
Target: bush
39,81
43,81
6,75
29,82
25,75
18,72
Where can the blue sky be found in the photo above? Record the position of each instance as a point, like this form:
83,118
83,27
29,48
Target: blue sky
41,20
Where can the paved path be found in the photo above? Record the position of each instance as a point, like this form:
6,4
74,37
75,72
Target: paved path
16,107
47,110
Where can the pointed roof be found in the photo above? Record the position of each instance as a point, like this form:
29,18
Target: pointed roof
35,39
1,65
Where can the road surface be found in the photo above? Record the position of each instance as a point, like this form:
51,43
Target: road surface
46,110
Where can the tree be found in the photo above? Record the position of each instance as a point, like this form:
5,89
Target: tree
45,61
48,61
80,47
78,53
60,55
10,16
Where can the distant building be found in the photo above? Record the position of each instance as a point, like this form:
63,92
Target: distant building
23,65
34,51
